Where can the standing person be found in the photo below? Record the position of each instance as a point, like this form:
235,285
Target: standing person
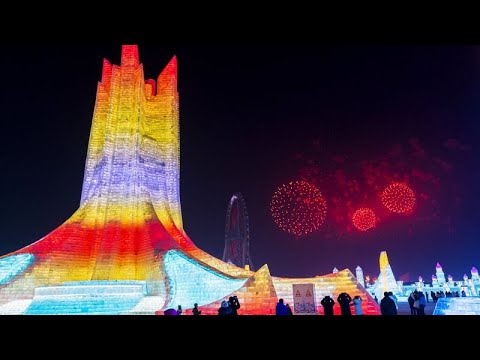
357,302
234,304
179,310
394,298
281,309
422,302
225,309
289,309
344,300
387,305
195,310
411,301
327,303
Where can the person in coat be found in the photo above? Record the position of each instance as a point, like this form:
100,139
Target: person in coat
327,303
345,300
387,305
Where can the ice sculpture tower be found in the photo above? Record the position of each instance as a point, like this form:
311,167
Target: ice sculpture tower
440,274
359,275
475,276
386,280
125,250
450,280
130,205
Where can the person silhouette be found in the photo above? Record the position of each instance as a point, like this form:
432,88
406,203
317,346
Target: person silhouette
289,309
344,300
234,304
195,310
225,309
357,302
327,303
387,305
281,309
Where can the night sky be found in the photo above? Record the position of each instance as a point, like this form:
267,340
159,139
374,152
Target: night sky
350,119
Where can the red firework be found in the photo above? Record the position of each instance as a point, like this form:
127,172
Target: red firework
364,219
399,198
298,208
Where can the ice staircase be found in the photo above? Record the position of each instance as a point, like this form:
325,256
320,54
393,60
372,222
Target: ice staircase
87,298
458,306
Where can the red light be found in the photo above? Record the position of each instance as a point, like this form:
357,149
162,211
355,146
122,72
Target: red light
298,208
364,219
399,198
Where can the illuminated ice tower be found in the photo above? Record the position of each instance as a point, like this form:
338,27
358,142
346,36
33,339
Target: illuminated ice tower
237,234
126,241
440,275
475,277
359,274
386,280
125,251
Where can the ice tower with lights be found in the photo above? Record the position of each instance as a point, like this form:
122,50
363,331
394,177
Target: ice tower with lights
386,280
124,251
440,274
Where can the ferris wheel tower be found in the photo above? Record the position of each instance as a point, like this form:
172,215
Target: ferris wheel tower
237,234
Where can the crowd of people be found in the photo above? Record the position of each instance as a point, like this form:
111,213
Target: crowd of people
388,305
417,302
229,307
345,301
440,294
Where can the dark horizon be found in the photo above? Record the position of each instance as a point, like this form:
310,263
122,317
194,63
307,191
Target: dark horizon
253,117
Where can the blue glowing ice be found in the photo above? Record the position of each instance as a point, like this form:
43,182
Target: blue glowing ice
87,298
189,282
12,266
458,306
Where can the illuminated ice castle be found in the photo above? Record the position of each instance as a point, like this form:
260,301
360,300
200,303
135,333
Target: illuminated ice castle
124,251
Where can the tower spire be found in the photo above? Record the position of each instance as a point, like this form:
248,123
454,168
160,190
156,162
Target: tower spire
106,72
167,81
130,57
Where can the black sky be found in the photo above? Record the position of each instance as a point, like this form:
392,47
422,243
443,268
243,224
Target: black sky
248,114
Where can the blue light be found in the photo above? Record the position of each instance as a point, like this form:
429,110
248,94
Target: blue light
12,266
87,298
458,306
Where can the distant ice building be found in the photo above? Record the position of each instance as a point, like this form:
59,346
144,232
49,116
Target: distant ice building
441,286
